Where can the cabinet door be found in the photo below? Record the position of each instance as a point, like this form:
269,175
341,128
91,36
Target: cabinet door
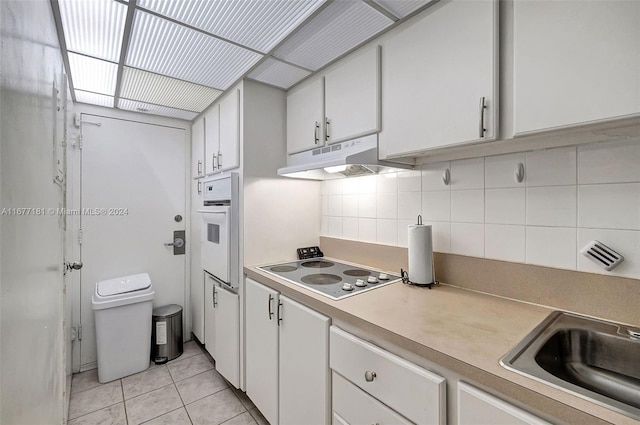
304,365
197,148
475,407
212,139
435,70
575,62
352,97
261,348
197,275
209,316
229,154
305,116
227,338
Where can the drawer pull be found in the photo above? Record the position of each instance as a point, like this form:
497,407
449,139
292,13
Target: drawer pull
369,376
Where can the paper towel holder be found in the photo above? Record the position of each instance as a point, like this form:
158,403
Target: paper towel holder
404,274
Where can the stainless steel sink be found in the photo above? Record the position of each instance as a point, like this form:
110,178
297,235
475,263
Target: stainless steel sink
590,358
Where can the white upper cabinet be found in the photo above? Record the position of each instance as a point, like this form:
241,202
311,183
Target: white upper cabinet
229,152
352,97
575,62
212,139
197,149
437,69
305,116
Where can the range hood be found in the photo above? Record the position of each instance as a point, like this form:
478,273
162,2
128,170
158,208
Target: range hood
357,157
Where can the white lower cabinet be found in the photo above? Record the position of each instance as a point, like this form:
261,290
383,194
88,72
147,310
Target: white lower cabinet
287,358
411,391
222,329
353,406
476,407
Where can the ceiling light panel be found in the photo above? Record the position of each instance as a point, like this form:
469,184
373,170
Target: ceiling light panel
93,75
93,27
147,108
339,28
402,8
153,88
260,25
94,98
278,73
164,47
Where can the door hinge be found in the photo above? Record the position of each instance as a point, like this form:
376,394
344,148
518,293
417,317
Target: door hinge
80,141
74,334
80,237
79,332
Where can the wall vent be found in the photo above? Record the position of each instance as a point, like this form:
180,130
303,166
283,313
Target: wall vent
602,255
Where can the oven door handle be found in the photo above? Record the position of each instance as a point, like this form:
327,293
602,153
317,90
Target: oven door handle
211,212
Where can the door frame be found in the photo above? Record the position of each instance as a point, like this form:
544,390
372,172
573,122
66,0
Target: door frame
73,228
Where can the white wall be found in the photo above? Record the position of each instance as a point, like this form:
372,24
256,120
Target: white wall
31,339
569,197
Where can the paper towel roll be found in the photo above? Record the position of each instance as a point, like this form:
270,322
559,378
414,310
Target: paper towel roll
420,254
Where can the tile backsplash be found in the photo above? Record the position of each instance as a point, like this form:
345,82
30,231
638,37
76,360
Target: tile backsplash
569,196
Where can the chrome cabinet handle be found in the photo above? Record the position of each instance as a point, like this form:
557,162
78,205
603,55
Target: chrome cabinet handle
199,187
316,133
200,167
279,312
219,160
326,129
269,306
482,108
369,376
213,160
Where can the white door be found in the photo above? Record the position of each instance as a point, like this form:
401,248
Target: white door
226,309
435,71
352,97
261,335
212,139
133,182
304,365
229,157
305,116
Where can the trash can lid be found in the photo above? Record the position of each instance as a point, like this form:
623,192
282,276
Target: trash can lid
124,284
167,310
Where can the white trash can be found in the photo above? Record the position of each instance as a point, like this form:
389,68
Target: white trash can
123,309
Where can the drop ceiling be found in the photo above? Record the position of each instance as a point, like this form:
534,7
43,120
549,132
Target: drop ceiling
176,57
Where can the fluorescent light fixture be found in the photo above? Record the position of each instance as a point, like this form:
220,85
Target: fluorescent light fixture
278,73
164,47
93,27
259,25
335,169
402,8
338,28
147,108
160,90
94,98
93,75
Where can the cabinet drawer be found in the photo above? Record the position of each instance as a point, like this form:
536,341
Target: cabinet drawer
351,405
415,393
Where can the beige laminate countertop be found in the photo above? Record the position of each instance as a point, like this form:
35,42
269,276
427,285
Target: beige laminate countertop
463,331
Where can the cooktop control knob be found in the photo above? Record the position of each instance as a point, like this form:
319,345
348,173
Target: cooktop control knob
361,283
372,279
383,276
347,287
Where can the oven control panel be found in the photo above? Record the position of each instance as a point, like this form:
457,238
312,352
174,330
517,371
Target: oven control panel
310,252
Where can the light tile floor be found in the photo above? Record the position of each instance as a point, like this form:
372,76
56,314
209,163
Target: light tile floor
185,391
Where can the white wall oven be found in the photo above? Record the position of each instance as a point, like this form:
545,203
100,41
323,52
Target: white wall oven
220,229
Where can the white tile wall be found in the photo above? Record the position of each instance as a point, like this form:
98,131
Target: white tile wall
569,197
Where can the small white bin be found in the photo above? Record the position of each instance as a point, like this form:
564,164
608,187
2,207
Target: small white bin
123,308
